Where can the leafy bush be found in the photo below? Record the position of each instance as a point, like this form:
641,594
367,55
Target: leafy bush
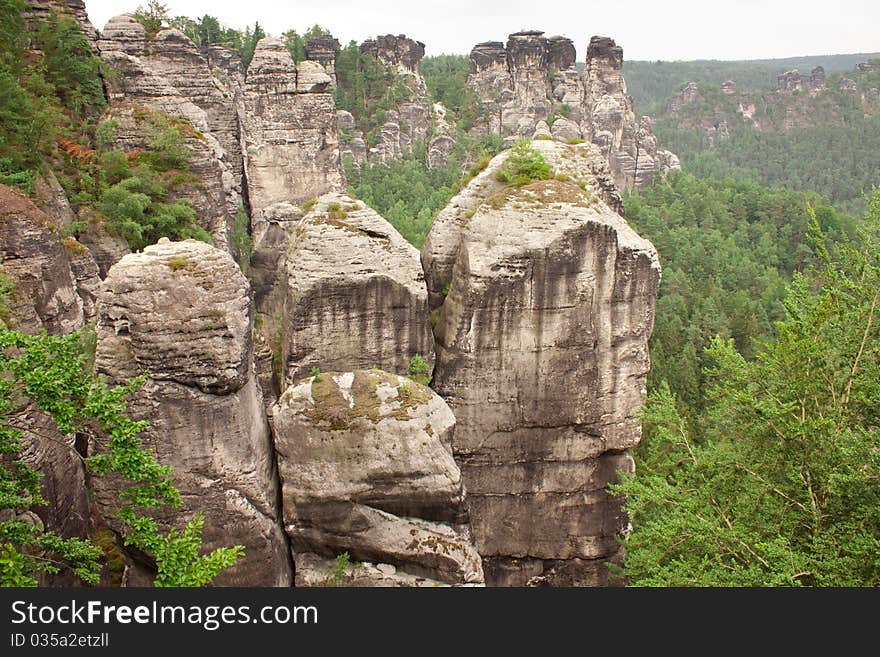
523,165
52,373
781,489
241,238
419,370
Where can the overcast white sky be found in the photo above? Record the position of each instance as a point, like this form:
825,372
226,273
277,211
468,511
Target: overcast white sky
647,29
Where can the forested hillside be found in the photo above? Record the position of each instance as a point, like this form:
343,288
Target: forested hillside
652,83
819,134
728,251
775,484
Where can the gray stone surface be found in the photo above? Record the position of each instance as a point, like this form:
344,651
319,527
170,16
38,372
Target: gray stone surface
291,139
365,460
353,293
180,312
544,301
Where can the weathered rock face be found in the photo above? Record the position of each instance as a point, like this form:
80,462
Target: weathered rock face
630,147
790,81
535,78
32,254
365,460
169,74
545,302
291,140
175,58
45,296
817,79
323,49
76,9
396,51
106,247
181,312
409,121
354,293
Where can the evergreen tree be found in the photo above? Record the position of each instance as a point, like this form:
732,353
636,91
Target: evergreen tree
783,488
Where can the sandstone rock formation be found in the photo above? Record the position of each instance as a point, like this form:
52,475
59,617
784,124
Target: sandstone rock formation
534,78
169,75
32,254
354,293
323,49
75,9
291,140
180,312
365,460
411,120
407,122
544,302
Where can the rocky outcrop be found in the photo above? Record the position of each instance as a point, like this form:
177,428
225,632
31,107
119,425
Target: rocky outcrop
169,75
792,81
352,146
534,79
180,312
33,255
353,293
544,301
76,9
291,139
799,101
410,120
629,146
45,296
397,51
817,79
323,49
365,460
106,247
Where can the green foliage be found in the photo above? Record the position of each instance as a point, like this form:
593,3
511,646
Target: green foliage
783,488
297,43
44,95
7,287
728,249
838,161
207,31
409,194
70,68
249,41
446,78
315,372
138,210
419,370
652,83
368,89
337,574
177,555
154,17
52,373
241,238
523,165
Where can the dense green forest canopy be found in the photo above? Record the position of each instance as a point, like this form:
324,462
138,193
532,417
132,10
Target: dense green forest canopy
728,249
780,485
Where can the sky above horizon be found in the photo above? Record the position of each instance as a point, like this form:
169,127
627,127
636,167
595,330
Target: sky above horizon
647,29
